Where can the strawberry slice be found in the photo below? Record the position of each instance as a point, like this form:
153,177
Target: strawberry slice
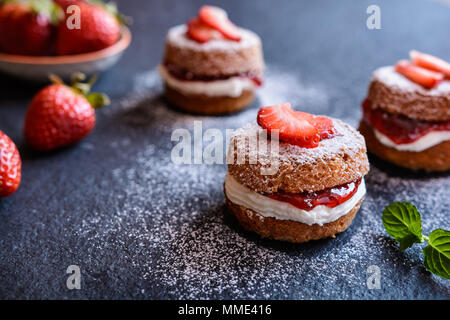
200,32
422,76
292,128
430,62
217,18
323,124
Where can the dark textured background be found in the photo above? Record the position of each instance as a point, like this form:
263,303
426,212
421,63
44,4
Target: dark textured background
141,227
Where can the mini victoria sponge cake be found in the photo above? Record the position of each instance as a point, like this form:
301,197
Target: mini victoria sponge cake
406,115
314,192
210,66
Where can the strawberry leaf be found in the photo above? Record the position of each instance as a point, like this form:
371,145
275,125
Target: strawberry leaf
48,8
76,82
402,222
97,100
111,8
437,253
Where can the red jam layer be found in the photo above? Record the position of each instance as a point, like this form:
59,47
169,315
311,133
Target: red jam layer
398,128
330,197
184,75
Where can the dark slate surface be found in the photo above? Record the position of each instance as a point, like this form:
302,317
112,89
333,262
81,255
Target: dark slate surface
141,227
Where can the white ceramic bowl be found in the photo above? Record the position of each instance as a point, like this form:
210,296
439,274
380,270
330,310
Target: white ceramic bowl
38,68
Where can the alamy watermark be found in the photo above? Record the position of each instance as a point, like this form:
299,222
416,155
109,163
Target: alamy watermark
74,280
73,20
373,22
253,147
373,277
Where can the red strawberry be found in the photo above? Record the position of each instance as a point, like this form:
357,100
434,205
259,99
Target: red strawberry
60,115
217,18
424,77
428,61
10,166
99,29
323,124
292,128
200,32
26,27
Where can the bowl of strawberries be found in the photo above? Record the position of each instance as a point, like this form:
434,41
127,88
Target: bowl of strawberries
61,37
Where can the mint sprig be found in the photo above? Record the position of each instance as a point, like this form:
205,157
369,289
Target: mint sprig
437,253
402,221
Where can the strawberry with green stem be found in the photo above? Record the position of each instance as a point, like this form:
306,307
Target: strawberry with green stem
27,27
60,115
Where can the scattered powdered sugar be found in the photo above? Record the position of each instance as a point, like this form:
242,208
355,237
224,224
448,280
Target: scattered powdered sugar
281,87
392,78
177,37
169,225
347,141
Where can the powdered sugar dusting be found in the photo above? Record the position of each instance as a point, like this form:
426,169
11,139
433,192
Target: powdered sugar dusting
281,86
177,37
392,78
171,225
347,141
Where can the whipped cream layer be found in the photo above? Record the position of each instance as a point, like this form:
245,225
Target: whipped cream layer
231,87
427,141
266,207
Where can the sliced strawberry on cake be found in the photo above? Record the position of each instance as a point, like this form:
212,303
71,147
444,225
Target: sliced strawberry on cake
430,62
200,31
217,19
323,124
422,76
295,127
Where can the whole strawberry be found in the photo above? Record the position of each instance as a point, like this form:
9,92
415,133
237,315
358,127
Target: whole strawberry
10,166
26,26
66,3
99,29
60,115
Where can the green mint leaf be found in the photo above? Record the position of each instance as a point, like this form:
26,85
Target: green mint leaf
402,222
408,241
437,253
